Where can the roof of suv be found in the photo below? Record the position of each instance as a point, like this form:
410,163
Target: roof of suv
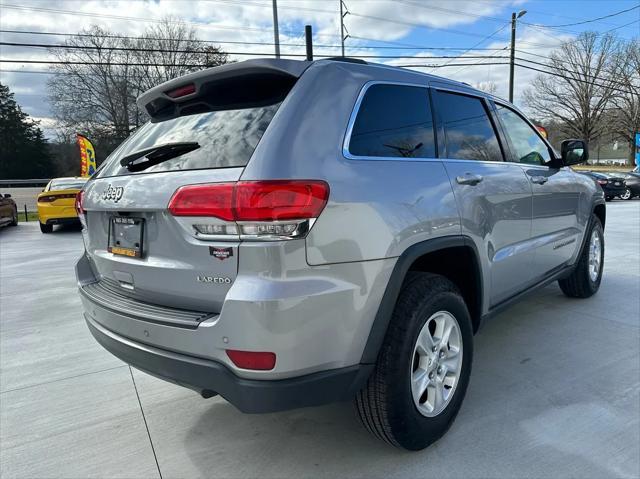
156,98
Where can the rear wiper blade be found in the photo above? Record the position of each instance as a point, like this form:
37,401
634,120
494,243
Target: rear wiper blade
157,154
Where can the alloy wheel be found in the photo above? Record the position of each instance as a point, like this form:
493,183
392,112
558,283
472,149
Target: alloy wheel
436,363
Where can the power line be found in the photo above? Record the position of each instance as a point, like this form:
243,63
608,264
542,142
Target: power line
401,46
588,82
572,71
587,21
204,53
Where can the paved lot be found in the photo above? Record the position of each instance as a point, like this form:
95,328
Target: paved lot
555,391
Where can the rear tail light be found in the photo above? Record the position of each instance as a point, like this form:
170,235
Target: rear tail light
47,199
602,182
274,209
261,361
79,200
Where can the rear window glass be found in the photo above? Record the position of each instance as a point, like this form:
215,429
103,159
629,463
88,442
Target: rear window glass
66,185
227,138
468,130
393,121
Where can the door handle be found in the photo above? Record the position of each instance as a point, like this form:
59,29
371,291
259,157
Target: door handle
538,179
468,179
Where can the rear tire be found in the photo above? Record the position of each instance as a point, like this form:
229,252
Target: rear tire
391,406
46,228
608,198
585,279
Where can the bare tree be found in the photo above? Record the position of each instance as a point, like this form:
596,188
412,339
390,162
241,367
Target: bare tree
487,86
101,74
577,94
625,114
172,49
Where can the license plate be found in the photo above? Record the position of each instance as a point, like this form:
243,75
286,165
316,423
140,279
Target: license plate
125,236
617,183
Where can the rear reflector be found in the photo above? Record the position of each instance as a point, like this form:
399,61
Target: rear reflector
182,91
260,361
271,200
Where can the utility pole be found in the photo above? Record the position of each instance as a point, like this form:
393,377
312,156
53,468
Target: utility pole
276,35
512,62
343,14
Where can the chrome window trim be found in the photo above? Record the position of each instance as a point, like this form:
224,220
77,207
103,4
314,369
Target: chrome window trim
354,114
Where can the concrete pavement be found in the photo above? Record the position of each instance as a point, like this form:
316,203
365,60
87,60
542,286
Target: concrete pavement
555,390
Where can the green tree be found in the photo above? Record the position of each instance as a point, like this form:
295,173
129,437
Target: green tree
24,152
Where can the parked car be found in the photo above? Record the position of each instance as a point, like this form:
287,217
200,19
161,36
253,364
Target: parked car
632,185
8,211
612,186
289,234
56,203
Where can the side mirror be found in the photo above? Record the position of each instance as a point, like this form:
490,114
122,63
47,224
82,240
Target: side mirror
574,152
7,195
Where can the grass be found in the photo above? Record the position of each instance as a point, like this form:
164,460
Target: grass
31,216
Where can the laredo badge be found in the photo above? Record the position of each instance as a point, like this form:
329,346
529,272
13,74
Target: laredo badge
220,253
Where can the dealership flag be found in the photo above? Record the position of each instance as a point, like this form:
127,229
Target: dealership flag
87,156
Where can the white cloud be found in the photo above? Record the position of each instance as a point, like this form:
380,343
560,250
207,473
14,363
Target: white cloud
251,21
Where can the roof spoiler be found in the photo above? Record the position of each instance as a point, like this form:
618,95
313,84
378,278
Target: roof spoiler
247,84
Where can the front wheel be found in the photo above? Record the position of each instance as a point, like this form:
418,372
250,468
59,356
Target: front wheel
14,220
423,369
626,195
585,279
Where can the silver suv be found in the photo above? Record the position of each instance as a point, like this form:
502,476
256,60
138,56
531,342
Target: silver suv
288,234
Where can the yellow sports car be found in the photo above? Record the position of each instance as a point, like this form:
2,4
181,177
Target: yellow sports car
56,203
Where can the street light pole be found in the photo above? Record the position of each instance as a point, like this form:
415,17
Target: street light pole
276,35
512,62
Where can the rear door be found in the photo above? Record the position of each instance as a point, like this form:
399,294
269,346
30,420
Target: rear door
493,197
135,244
556,194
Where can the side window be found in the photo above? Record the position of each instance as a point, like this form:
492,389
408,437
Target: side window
529,147
394,121
468,130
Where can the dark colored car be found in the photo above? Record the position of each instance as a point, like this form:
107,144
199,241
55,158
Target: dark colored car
8,211
611,185
632,186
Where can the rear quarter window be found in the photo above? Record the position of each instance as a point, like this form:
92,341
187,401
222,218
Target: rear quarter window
393,121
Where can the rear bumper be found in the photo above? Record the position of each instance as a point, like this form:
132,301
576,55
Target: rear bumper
248,395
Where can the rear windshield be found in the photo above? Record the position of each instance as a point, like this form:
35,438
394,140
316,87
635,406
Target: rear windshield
67,184
227,139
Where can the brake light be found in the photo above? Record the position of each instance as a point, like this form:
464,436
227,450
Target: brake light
602,182
78,204
279,200
182,91
273,209
47,199
204,200
260,361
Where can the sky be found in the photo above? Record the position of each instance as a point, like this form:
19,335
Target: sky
415,29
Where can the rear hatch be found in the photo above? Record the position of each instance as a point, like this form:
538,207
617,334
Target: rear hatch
204,128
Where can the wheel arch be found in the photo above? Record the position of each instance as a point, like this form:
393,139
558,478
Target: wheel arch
454,257
600,210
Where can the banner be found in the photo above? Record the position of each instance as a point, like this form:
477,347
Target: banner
638,149
87,156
